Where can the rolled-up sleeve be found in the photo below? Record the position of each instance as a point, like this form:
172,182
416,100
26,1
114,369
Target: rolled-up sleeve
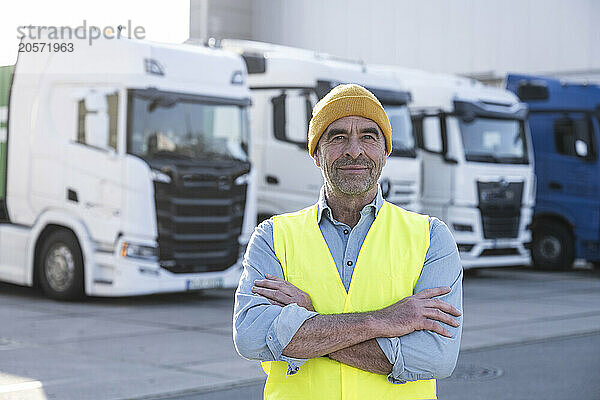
262,330
425,354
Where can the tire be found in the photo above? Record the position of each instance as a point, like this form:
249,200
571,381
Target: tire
262,217
60,266
553,247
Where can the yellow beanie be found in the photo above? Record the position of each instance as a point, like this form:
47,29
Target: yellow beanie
343,101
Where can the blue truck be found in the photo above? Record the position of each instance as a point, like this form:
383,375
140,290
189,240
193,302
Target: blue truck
565,128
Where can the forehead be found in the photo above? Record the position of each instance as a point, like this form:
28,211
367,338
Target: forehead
347,122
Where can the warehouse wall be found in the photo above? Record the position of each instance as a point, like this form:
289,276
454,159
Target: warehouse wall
483,38
221,18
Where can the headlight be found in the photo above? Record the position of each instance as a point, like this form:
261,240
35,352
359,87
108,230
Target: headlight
242,179
139,251
160,176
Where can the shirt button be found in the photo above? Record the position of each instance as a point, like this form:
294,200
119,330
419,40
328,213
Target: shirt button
349,263
346,231
270,338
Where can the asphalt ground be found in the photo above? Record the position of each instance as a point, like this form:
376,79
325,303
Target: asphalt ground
553,369
177,345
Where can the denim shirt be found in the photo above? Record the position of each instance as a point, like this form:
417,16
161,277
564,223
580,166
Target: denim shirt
261,330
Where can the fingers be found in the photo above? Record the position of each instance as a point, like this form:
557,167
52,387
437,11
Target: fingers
429,293
433,326
441,316
273,282
442,305
274,278
276,303
272,294
269,284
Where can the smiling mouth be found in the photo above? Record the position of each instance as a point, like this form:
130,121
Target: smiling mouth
354,168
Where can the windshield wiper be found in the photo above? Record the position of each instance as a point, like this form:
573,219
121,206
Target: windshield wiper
170,154
220,156
514,160
496,159
483,158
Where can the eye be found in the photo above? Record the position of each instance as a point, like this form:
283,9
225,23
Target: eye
337,138
369,136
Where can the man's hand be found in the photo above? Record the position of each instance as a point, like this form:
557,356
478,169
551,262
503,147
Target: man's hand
417,312
280,292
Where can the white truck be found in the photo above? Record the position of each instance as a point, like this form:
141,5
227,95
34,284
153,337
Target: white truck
477,159
286,83
124,168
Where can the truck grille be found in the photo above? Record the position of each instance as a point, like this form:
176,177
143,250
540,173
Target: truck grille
199,217
500,206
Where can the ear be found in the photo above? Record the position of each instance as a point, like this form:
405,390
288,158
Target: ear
316,158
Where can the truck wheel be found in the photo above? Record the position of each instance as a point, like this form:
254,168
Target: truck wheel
552,247
61,266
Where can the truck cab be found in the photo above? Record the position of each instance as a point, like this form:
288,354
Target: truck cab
126,169
565,128
286,83
477,165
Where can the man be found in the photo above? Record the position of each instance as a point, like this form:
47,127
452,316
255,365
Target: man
344,299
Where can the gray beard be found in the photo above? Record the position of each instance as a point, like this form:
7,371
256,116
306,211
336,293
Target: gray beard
350,186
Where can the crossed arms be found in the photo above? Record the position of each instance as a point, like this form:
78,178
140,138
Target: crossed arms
286,330
350,338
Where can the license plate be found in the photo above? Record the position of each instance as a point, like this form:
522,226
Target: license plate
203,283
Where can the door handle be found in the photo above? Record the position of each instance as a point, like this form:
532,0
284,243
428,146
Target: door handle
272,180
555,186
72,195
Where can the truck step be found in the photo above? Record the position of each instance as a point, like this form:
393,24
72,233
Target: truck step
3,211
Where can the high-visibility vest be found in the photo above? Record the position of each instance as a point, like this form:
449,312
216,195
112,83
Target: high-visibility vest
387,269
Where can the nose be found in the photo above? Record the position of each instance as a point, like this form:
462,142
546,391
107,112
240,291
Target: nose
354,148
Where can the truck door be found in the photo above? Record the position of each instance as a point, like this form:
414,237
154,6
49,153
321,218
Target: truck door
436,175
94,174
570,178
291,177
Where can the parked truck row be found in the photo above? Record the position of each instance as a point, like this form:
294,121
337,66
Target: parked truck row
131,167
469,161
565,131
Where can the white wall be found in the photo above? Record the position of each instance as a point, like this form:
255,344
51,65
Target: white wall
221,19
487,37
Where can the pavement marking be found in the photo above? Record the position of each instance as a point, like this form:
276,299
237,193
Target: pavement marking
18,387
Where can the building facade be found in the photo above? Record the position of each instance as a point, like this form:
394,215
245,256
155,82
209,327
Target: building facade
479,38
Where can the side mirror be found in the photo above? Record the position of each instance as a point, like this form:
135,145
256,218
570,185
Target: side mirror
432,134
96,128
96,120
95,101
581,148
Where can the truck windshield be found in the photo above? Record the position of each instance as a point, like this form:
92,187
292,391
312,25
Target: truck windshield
168,125
494,140
403,142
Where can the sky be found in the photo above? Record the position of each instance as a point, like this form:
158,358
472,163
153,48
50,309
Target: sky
163,21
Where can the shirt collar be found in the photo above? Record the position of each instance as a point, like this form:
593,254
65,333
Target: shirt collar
373,206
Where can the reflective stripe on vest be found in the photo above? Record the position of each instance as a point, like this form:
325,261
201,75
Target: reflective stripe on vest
386,271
